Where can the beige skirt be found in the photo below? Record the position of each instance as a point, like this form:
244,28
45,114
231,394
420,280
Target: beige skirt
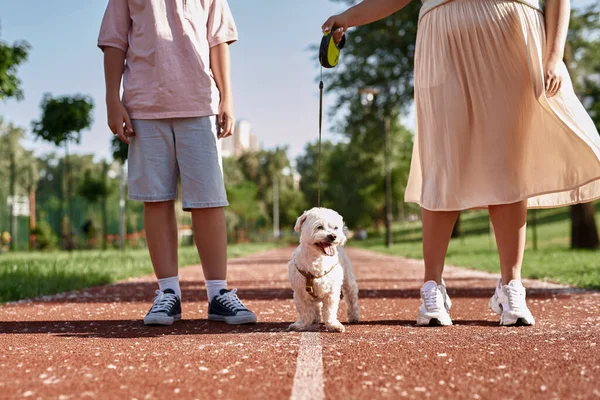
486,133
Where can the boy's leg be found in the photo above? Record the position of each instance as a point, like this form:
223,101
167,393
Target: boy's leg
210,235
152,176
161,235
203,192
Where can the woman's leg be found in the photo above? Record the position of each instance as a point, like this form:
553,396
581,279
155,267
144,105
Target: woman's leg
437,229
510,222
435,303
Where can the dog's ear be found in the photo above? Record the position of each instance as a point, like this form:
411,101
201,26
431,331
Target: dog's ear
347,234
300,221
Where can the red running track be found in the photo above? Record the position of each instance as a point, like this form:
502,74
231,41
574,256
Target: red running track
92,344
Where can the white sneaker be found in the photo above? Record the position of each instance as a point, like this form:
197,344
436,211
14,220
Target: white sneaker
509,302
435,305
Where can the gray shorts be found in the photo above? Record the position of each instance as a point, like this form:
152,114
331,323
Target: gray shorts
165,150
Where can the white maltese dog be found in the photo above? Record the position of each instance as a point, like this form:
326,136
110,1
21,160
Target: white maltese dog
320,269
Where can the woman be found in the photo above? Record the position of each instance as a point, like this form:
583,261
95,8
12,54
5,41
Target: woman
498,127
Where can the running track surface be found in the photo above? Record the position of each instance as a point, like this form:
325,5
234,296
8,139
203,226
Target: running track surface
92,344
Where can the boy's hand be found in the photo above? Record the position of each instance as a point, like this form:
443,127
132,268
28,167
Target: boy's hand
341,25
118,120
226,119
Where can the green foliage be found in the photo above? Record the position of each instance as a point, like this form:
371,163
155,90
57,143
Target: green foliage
308,166
120,150
63,118
232,172
352,172
93,188
554,261
27,275
242,199
10,58
379,55
261,168
45,238
583,57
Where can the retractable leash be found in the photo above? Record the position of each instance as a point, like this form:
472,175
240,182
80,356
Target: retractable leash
329,56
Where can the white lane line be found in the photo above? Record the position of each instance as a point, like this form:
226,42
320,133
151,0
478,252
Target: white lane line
308,381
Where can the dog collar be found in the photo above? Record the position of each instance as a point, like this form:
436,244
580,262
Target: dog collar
310,278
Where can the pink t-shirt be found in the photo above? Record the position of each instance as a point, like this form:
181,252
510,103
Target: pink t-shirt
167,72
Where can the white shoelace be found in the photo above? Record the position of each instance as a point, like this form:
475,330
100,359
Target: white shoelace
163,301
231,301
430,299
516,298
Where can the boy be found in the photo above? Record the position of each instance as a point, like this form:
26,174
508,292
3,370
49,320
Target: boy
174,59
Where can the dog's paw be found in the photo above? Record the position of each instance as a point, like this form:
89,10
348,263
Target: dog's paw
297,327
335,327
354,317
317,320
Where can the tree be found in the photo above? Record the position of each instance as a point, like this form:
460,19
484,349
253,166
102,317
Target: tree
353,172
582,57
120,150
63,119
11,152
10,58
95,189
307,165
263,168
379,56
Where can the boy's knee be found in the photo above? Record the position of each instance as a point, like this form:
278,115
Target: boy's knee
159,204
208,211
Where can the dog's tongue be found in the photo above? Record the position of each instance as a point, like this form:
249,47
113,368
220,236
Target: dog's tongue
329,250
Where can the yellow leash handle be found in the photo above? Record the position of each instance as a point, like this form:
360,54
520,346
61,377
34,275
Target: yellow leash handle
329,51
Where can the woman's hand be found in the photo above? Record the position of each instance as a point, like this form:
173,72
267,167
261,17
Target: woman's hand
340,23
552,75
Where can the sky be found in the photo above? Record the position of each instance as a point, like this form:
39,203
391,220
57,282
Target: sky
273,71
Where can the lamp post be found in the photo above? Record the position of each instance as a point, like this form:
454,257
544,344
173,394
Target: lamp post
368,96
276,208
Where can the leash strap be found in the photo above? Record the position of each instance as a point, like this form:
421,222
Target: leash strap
320,133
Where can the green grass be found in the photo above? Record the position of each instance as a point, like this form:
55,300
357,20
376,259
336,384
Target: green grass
553,261
26,275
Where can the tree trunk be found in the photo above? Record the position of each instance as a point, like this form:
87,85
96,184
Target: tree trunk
456,231
12,218
32,218
584,234
69,239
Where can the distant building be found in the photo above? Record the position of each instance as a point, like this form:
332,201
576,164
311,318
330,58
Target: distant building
242,141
